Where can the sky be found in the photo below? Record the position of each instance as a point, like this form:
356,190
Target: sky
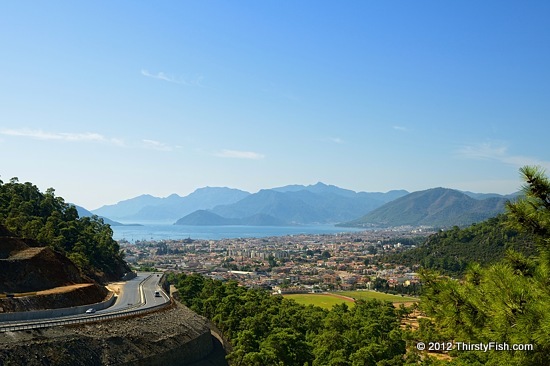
107,100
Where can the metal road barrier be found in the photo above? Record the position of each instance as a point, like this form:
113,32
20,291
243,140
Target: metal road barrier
36,315
128,312
87,319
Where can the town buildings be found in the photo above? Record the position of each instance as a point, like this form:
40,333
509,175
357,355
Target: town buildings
296,263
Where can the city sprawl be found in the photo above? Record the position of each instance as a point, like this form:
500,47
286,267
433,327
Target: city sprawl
297,263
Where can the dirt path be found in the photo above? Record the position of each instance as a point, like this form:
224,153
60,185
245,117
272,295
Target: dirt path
340,296
116,287
63,289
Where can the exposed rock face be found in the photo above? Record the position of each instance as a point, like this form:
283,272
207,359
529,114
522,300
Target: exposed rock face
176,336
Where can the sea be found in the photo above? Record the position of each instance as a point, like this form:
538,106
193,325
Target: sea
156,232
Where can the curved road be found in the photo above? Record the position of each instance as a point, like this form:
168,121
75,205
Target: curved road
138,293
131,296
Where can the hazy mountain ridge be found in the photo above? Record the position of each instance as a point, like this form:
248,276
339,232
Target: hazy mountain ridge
433,207
204,218
285,206
82,212
171,208
127,207
321,188
313,204
297,205
293,204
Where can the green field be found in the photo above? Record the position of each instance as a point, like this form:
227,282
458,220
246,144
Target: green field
325,301
369,295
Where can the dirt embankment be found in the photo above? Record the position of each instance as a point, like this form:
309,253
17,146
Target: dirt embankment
28,269
176,336
34,277
59,297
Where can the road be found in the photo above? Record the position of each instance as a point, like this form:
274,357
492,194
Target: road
131,296
137,294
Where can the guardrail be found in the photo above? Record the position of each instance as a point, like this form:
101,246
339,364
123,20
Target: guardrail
55,313
91,318
22,294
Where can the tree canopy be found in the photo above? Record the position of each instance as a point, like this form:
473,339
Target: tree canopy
269,330
47,219
451,251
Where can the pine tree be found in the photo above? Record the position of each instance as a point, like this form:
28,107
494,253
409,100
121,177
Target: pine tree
507,302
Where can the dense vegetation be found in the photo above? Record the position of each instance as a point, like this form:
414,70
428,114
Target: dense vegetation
271,330
451,251
506,302
48,220
499,304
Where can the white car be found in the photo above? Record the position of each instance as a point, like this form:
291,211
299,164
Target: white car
90,311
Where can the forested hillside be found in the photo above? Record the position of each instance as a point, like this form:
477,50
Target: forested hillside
267,330
505,305
451,251
47,219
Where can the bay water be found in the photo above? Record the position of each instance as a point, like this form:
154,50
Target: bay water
157,231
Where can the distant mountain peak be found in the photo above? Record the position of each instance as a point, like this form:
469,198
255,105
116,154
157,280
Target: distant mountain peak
299,204
146,208
438,207
145,195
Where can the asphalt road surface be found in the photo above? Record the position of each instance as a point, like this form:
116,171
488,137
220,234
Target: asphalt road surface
138,293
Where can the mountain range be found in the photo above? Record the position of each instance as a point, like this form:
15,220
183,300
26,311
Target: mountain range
82,212
147,208
313,204
297,205
288,205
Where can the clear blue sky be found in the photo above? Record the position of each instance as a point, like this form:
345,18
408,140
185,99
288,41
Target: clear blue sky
107,100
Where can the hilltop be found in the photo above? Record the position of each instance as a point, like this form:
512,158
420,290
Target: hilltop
46,219
436,207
